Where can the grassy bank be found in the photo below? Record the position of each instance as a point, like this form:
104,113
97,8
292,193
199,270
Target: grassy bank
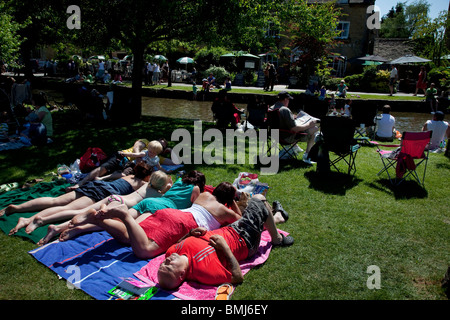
353,96
341,224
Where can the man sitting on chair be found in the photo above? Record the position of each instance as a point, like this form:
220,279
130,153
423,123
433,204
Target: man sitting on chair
440,129
288,122
385,130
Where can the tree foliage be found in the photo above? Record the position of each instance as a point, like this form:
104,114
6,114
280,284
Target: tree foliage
312,30
10,40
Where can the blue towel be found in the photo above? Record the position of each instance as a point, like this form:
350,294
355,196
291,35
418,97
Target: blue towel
94,263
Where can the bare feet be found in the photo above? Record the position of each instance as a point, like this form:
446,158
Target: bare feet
22,223
113,210
37,222
86,217
69,233
51,232
8,210
278,218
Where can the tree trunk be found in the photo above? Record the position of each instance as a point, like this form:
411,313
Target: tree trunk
136,88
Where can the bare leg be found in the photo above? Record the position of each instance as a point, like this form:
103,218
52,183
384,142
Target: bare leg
58,213
72,232
41,203
129,231
97,172
270,222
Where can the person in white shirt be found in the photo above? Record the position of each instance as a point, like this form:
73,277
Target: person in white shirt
393,79
440,128
385,125
156,72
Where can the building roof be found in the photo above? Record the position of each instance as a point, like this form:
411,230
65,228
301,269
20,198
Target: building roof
392,48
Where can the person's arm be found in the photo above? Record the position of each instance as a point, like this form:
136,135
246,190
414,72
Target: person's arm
132,154
425,128
222,249
235,208
197,232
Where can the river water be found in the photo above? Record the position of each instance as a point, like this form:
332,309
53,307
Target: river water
201,110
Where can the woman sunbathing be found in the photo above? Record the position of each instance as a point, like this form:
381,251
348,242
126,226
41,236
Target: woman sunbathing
151,234
78,199
180,196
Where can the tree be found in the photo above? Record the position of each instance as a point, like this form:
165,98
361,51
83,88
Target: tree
431,37
10,40
139,23
312,29
402,21
40,24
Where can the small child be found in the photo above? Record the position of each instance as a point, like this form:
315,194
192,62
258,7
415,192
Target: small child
347,108
323,93
150,156
332,107
227,84
194,91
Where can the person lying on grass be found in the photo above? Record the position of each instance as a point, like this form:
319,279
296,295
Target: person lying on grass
114,163
212,257
158,185
152,234
181,195
80,198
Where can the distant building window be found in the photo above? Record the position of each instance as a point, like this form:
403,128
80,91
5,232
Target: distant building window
344,27
342,2
272,31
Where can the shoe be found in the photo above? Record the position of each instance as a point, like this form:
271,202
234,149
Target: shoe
224,292
276,206
285,241
307,160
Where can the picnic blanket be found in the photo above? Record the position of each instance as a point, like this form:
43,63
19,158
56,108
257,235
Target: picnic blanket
18,196
13,145
190,290
94,263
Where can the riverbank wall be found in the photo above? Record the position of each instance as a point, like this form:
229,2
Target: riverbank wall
301,101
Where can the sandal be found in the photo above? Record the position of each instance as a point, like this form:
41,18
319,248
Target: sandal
276,206
10,186
285,241
224,291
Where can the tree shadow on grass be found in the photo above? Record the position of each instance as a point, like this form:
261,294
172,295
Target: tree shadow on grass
332,182
408,189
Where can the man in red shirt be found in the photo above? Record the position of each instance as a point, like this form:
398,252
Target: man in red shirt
212,257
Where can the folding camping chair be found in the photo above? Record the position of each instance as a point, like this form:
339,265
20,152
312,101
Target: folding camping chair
406,157
338,137
284,146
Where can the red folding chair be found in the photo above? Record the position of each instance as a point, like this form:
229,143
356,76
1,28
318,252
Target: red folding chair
406,158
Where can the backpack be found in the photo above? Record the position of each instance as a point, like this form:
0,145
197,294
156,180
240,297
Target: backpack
91,159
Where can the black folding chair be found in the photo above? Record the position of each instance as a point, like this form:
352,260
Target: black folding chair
287,140
338,137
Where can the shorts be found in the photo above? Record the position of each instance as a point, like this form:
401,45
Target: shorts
114,163
251,225
165,227
392,81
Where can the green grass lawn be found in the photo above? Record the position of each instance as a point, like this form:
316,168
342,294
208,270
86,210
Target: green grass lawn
341,224
353,96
